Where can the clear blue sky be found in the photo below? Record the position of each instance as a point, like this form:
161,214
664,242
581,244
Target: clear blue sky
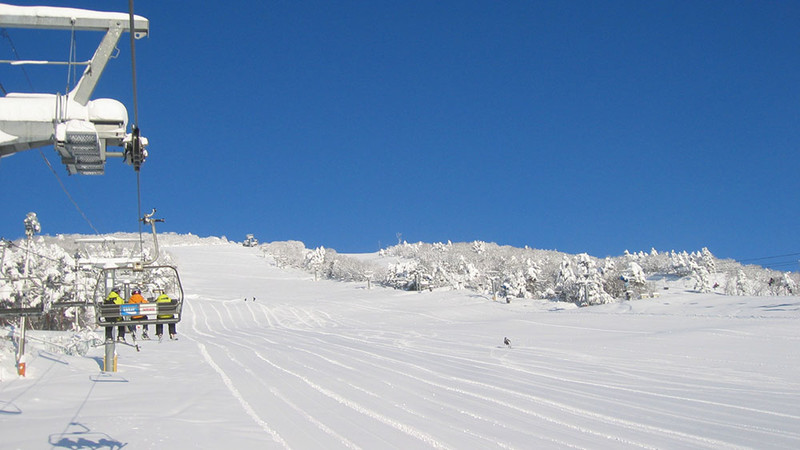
581,126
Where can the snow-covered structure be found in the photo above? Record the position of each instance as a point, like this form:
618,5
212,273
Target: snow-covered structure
80,129
250,241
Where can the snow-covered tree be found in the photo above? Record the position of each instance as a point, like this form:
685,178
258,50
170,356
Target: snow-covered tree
788,285
635,275
50,278
315,260
702,277
742,284
581,282
590,283
565,281
532,275
286,253
708,260
680,264
629,283
408,275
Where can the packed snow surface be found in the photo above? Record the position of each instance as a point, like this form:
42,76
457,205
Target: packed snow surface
270,358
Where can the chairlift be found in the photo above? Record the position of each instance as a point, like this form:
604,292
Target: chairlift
143,275
151,280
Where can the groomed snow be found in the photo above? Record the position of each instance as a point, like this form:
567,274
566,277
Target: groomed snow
305,364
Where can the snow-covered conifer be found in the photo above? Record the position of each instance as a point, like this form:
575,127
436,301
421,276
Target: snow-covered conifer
707,260
788,284
702,277
532,273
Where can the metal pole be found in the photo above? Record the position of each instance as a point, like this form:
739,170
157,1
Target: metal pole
110,360
369,274
31,227
23,320
21,346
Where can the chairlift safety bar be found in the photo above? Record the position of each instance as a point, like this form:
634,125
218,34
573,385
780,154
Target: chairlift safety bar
18,312
128,310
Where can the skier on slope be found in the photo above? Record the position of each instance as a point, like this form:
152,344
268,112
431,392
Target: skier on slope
115,299
136,297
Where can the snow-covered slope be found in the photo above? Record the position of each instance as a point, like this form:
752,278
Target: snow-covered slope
269,358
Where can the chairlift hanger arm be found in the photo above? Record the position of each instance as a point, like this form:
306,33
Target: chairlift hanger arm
148,219
59,18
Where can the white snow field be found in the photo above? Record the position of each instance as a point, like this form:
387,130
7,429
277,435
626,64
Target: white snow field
322,365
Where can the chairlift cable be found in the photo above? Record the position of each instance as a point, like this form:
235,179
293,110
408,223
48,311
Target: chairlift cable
776,265
769,257
5,34
139,206
135,127
133,63
71,60
69,196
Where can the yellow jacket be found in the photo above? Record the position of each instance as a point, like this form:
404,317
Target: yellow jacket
164,298
114,299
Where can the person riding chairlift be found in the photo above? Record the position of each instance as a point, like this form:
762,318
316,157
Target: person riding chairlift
136,297
164,298
115,299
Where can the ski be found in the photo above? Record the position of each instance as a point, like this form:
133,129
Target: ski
133,338
134,345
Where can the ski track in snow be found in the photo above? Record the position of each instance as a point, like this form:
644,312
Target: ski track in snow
307,319
490,399
686,438
235,392
296,320
350,404
344,441
411,431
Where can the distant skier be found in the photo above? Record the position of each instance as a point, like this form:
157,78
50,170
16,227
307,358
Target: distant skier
507,341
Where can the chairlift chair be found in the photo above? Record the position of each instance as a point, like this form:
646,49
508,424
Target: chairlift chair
151,280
